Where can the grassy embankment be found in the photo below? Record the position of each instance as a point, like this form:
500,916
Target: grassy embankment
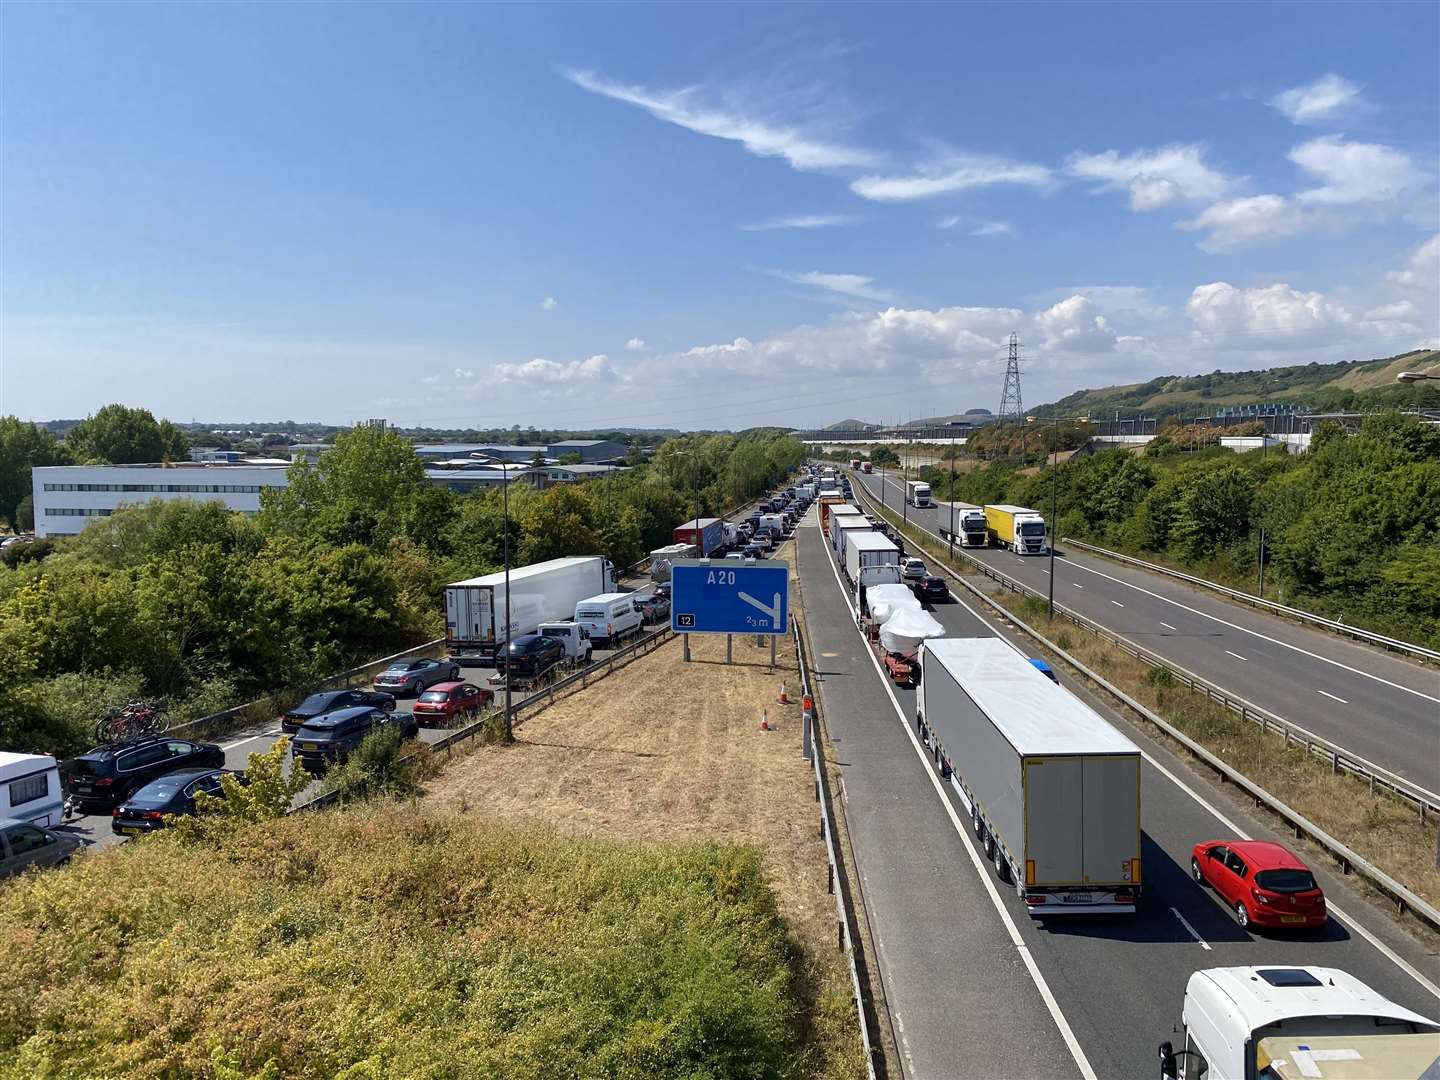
1380,828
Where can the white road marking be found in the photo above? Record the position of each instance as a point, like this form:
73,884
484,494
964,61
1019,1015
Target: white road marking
252,738
1335,911
981,868
1077,584
1186,923
1332,697
1167,626
1043,570
1117,603
1236,655
1256,633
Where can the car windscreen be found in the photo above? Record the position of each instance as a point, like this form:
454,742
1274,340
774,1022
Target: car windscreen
312,705
435,695
1285,881
314,734
403,666
161,791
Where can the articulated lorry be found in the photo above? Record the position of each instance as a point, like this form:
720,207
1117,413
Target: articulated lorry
477,623
842,529
865,466
661,558
1017,528
707,534
855,463
917,493
963,523
1053,790
1296,1023
864,550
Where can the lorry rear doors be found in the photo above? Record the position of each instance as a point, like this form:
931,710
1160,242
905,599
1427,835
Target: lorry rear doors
468,614
1082,820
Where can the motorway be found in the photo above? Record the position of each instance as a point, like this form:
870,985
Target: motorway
1372,704
975,986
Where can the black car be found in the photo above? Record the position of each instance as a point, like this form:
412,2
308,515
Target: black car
331,738
933,589
107,775
173,793
530,655
329,700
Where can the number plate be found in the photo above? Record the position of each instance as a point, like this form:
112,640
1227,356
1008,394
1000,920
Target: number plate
309,746
1292,918
84,789
131,830
1076,898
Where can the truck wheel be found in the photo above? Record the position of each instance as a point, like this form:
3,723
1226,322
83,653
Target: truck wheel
1002,865
991,848
975,821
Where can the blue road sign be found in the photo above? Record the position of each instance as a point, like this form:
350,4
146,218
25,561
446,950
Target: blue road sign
728,596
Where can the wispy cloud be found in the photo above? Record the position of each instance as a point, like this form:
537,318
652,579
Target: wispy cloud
553,372
762,136
636,344
1237,223
1154,178
549,304
952,172
800,221
976,228
857,285
1329,97
993,228
1354,172
464,373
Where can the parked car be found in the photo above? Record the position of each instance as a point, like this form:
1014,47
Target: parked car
1264,883
330,700
173,793
108,775
913,570
443,702
932,589
23,845
332,738
657,608
412,676
663,589
529,656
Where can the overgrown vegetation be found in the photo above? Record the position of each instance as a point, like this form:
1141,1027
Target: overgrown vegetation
1352,527
200,607
399,942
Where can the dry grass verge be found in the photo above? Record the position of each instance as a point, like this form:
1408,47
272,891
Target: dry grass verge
1380,828
670,752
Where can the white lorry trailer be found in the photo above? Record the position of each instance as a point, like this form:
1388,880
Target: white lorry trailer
1053,790
917,493
476,620
963,523
866,549
841,527
1288,1023
661,558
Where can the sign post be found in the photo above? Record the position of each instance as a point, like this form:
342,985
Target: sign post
728,596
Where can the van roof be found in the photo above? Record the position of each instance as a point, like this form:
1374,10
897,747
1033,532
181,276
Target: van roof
1254,994
872,541
604,598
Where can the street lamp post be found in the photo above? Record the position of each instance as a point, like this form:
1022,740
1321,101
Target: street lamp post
1054,502
509,714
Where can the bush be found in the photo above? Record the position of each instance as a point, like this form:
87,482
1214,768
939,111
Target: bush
1162,678
383,766
64,709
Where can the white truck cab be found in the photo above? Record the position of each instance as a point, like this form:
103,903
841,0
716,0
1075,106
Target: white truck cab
1284,1023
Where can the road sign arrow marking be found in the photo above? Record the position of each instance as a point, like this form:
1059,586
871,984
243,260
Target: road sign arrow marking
774,612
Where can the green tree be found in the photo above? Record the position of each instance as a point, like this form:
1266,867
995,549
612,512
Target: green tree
1214,510
23,446
118,435
571,459
559,522
883,455
265,794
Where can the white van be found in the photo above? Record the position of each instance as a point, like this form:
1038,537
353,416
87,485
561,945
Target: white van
30,789
609,617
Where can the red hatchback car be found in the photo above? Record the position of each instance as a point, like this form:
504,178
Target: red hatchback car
443,702
1264,883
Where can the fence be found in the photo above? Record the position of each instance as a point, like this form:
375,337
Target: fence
843,918
1268,605
1341,760
533,702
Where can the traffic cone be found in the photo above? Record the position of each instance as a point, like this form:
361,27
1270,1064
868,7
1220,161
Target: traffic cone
764,723
784,695
808,705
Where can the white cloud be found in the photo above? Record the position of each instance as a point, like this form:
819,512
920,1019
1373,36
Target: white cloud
952,172
993,228
552,372
800,221
1327,98
1354,172
1154,178
1273,313
464,373
430,380
636,344
760,135
1421,269
1075,324
857,285
1399,309
1238,222
549,304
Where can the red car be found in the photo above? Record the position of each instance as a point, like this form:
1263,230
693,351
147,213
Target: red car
443,702
1264,883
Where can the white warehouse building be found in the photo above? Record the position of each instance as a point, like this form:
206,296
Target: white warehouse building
69,497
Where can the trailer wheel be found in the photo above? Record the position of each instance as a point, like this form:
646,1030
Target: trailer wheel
975,821
1002,865
992,849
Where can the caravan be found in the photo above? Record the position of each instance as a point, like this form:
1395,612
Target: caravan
30,789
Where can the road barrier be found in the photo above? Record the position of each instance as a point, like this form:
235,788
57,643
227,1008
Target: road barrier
536,700
844,919
1426,801
1395,644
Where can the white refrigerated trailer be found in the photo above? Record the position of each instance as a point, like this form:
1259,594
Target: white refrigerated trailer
866,549
1053,790
476,622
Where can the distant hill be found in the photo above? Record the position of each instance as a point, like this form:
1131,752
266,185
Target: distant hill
848,425
1324,387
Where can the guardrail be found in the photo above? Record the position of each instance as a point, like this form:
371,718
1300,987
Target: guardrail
534,701
843,917
1299,614
1404,899
1341,760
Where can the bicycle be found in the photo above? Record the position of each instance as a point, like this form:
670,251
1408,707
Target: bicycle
134,718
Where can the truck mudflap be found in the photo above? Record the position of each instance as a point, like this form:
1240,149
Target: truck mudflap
1107,901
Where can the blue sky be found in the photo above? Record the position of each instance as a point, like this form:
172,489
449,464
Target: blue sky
671,215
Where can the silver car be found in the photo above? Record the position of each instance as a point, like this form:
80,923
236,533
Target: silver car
23,845
413,676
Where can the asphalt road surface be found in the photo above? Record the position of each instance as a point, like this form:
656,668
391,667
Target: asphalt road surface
1382,708
977,987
